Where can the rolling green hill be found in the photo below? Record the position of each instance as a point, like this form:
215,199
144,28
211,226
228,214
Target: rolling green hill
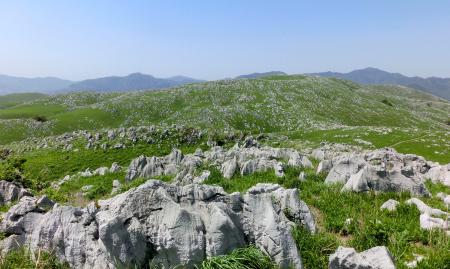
14,99
293,111
306,109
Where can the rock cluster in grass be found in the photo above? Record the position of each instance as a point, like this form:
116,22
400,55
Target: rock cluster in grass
10,192
166,224
117,138
245,159
430,218
384,170
101,171
374,258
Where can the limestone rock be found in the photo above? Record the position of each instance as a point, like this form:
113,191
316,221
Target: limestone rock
324,166
10,192
425,209
116,186
201,178
380,170
444,197
374,258
115,167
166,224
390,205
440,173
343,167
229,168
428,223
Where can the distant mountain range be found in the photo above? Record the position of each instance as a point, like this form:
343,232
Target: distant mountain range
10,84
260,75
135,81
434,85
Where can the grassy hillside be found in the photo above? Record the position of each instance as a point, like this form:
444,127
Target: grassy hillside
306,108
294,111
10,100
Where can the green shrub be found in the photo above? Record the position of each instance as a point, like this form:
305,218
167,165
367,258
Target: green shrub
40,118
242,258
12,171
22,259
386,102
314,248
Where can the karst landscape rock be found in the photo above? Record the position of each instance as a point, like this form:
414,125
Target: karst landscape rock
276,171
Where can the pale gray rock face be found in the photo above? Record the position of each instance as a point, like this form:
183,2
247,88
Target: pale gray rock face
101,171
297,160
428,222
116,186
439,173
201,178
390,205
229,168
239,159
374,178
424,208
145,167
10,192
258,165
163,223
374,258
444,197
324,166
318,154
380,170
343,167
115,167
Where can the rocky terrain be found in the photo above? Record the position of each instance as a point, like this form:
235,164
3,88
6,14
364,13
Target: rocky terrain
281,175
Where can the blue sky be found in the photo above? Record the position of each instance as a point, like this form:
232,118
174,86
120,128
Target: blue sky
216,39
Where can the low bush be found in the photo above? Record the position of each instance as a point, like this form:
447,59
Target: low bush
242,258
22,259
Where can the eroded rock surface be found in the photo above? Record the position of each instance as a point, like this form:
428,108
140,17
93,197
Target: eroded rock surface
374,258
10,192
382,170
167,224
244,160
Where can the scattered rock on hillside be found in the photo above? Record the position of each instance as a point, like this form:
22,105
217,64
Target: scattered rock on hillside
428,222
10,192
390,205
444,197
439,173
162,223
423,208
380,170
239,159
116,185
413,264
374,258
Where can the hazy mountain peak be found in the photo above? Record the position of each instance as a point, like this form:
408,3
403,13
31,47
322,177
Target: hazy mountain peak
370,75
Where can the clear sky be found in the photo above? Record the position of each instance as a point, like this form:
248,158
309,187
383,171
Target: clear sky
214,39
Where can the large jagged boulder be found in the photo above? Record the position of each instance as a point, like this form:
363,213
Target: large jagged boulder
343,167
374,258
166,224
10,192
380,170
